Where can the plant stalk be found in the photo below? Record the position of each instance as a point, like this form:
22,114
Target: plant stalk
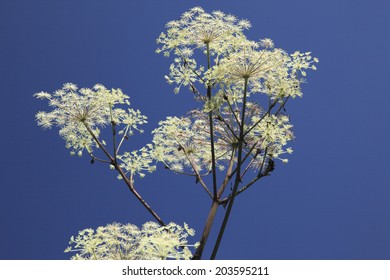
238,176
124,177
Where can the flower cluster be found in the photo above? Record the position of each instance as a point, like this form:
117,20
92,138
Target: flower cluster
138,162
79,113
184,142
128,242
269,70
196,29
236,67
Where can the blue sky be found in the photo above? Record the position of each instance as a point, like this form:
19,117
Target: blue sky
331,201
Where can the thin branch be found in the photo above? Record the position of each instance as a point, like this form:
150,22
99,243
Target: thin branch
101,146
198,177
228,175
113,125
249,165
256,143
197,92
282,106
129,182
249,184
270,107
259,176
228,126
199,77
213,167
232,110
262,162
188,67
123,138
181,172
100,160
96,158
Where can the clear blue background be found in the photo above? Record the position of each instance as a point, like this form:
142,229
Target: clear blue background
331,201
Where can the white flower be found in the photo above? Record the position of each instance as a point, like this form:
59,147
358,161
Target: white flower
128,242
184,143
75,110
267,43
196,29
302,61
137,162
268,70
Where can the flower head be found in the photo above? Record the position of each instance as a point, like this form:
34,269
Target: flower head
248,62
214,33
128,242
78,112
196,29
221,37
137,162
183,144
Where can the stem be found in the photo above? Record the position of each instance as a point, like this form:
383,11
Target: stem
123,138
262,163
198,177
213,211
206,231
101,146
228,126
232,110
254,180
211,130
238,175
267,113
97,159
215,204
128,181
270,107
113,124
228,175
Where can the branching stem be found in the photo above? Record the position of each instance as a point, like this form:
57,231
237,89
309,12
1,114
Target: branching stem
238,174
128,181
